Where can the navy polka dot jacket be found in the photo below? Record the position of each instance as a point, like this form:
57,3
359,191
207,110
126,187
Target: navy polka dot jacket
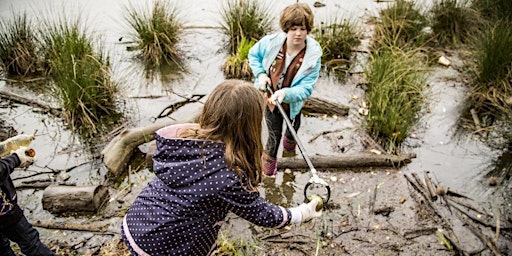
181,210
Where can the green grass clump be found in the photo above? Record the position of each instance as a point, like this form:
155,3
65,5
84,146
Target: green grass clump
337,39
491,95
237,65
453,21
155,33
81,75
395,82
245,19
18,50
401,25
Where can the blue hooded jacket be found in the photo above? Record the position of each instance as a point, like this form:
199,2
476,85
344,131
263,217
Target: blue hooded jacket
264,52
181,211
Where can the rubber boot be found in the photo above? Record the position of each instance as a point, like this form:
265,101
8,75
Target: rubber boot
289,147
269,165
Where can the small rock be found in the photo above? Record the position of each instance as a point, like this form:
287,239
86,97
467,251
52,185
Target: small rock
444,61
318,4
492,181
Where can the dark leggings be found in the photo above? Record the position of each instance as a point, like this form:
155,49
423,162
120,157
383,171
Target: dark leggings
26,236
275,123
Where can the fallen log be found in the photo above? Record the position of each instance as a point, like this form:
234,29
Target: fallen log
18,99
96,226
314,105
119,150
346,161
74,199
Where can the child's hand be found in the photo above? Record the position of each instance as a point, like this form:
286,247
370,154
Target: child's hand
263,81
306,212
278,96
23,154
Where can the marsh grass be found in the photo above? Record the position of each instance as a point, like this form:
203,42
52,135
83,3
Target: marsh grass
18,47
81,74
237,65
494,10
338,39
395,82
155,33
227,246
250,19
491,95
400,25
453,21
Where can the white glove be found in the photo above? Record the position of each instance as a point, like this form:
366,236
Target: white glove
306,212
278,96
24,158
263,81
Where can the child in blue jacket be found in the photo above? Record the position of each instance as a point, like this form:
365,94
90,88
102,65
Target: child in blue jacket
289,62
204,171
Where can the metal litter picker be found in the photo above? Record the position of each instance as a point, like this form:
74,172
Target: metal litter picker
314,181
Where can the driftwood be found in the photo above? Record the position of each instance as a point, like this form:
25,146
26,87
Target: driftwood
430,187
96,226
346,161
118,152
18,99
314,105
71,199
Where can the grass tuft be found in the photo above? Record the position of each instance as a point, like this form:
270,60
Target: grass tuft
401,25
338,39
245,19
81,74
395,83
155,33
237,65
453,21
18,50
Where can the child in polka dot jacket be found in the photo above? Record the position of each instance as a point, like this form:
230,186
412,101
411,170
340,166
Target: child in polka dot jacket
204,171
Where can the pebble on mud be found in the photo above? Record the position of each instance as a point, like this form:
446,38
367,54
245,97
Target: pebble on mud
492,181
440,191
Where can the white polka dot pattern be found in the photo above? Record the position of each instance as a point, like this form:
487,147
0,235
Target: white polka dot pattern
181,210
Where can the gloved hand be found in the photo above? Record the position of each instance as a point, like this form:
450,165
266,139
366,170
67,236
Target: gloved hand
278,96
263,81
24,158
306,212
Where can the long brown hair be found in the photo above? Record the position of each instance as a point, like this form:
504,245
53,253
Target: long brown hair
233,114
